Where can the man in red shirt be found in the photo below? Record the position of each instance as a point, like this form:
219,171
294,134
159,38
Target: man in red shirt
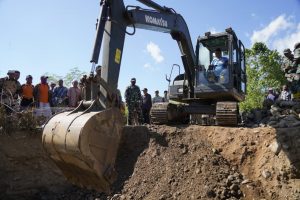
42,96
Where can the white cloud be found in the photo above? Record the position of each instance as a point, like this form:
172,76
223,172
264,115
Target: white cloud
288,41
279,34
155,52
148,66
272,29
253,15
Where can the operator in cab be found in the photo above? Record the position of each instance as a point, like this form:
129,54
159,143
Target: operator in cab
219,65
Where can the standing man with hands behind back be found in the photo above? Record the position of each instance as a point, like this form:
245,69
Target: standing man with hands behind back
133,100
146,107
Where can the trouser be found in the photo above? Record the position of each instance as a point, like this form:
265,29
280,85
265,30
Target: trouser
26,102
44,110
146,115
134,112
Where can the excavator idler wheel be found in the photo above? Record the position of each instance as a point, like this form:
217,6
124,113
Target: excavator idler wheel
84,146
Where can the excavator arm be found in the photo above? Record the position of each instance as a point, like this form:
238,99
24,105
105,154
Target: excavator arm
114,20
84,142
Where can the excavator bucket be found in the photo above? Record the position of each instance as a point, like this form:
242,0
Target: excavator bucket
84,146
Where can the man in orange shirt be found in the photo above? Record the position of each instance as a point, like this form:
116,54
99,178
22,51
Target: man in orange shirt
42,96
27,93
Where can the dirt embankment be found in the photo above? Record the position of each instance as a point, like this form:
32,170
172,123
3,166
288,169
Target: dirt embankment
165,162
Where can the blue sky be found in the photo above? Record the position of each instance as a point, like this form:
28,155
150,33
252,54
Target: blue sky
39,36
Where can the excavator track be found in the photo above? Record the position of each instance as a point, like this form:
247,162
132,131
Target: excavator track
165,113
159,113
227,113
84,146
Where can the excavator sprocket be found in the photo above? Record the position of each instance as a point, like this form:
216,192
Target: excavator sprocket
227,113
84,146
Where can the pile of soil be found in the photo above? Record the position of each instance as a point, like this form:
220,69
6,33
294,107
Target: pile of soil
167,162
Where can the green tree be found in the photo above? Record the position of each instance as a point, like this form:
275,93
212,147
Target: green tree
74,73
263,71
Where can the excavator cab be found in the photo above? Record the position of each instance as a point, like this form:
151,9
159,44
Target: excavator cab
230,78
217,88
228,83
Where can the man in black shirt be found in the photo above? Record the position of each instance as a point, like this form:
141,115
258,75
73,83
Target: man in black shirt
146,107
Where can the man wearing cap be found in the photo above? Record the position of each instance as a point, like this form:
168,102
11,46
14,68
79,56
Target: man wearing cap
271,96
287,66
296,62
27,93
8,88
60,94
133,100
42,96
17,76
146,106
157,98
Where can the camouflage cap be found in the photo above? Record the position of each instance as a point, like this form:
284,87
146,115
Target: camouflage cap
44,77
11,72
287,51
98,67
28,76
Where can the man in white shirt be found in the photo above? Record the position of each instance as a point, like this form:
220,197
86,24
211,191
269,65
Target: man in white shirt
157,98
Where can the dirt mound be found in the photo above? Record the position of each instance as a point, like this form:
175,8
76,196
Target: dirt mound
164,162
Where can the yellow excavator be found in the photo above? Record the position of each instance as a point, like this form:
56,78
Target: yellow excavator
84,142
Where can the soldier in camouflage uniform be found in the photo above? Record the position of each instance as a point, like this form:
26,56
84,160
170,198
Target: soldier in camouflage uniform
287,66
296,63
296,66
291,67
133,99
9,89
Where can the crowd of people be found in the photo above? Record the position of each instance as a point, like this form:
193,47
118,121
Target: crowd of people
41,95
46,96
291,68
